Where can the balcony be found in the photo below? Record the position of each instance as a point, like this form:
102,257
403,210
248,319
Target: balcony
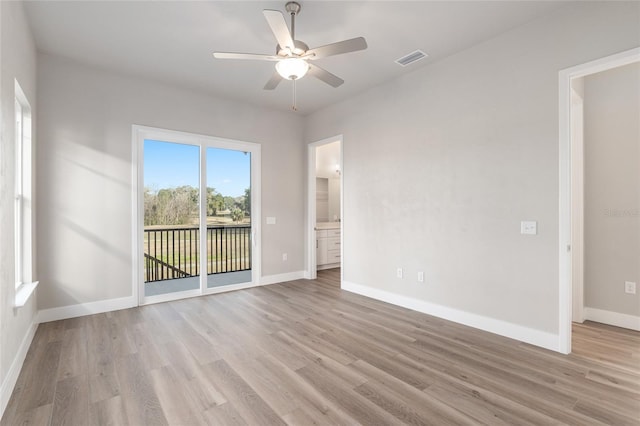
172,253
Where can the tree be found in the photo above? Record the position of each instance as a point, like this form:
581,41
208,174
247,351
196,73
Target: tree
150,207
215,202
170,206
237,215
247,202
229,203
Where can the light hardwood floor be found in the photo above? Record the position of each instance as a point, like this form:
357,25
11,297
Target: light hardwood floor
304,353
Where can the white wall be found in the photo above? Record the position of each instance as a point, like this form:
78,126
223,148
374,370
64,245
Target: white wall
441,165
612,188
84,174
17,61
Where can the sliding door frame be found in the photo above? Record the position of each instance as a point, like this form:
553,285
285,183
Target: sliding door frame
139,134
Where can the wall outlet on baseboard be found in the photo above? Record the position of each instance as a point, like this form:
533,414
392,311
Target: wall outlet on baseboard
629,287
284,257
399,272
420,277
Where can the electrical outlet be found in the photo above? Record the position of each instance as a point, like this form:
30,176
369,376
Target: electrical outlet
529,227
284,257
399,272
420,277
629,287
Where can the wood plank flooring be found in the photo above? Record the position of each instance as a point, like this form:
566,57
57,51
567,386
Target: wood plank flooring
304,353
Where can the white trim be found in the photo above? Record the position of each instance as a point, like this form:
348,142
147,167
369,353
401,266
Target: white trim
23,196
576,117
311,270
268,280
24,292
281,278
82,309
11,378
137,219
566,160
617,319
328,266
108,305
492,325
202,220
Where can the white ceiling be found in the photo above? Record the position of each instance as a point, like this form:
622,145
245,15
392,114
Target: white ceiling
172,41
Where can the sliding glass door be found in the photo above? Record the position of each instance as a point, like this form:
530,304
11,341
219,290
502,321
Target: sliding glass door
228,217
196,232
171,217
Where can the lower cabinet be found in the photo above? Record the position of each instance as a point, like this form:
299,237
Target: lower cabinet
328,250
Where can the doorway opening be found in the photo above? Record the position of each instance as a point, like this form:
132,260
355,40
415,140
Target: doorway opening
571,241
325,206
195,223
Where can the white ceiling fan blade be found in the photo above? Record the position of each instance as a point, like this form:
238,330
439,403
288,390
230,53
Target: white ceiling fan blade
249,56
278,25
324,75
273,81
345,46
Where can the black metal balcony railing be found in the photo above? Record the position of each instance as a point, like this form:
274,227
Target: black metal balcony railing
171,253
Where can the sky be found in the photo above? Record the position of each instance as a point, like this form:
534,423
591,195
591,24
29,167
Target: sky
169,165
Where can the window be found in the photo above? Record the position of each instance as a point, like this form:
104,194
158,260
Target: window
23,199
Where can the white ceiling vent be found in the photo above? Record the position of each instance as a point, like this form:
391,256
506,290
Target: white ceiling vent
411,58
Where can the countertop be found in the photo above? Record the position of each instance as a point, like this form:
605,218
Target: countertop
328,225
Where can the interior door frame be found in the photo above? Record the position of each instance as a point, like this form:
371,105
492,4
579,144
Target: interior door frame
571,203
139,134
312,272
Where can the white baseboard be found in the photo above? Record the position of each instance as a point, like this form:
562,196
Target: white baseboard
281,278
73,311
612,318
10,380
492,325
79,310
328,266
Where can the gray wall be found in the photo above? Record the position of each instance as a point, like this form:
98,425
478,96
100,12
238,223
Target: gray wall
441,165
85,166
612,188
18,61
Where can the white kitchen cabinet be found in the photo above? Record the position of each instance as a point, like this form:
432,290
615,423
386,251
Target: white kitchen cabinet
321,247
328,249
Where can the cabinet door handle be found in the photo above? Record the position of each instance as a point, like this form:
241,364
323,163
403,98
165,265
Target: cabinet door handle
316,243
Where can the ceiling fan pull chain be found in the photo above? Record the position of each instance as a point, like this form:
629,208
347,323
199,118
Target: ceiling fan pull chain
293,106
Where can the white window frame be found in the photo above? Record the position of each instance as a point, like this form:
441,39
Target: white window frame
23,196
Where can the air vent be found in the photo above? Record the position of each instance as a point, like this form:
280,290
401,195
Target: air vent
411,58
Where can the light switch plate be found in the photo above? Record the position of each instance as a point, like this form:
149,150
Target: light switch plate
271,220
529,227
629,287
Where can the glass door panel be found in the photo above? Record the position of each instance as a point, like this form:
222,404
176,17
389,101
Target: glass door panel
229,232
171,217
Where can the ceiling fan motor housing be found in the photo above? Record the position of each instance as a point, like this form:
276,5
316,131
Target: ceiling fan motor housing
299,49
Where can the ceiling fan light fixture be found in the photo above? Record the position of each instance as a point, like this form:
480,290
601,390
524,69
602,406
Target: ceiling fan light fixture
292,68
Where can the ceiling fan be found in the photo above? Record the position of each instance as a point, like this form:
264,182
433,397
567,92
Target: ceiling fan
292,56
